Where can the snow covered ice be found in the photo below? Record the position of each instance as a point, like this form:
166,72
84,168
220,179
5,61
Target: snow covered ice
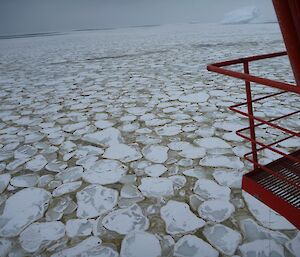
193,246
41,234
126,220
119,143
179,219
138,244
21,209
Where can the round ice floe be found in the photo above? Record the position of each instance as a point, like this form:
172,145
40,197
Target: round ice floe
14,165
38,235
252,231
155,170
232,136
156,187
222,161
205,131
4,180
196,173
105,172
25,151
185,162
216,210
74,126
106,137
126,220
189,128
192,152
130,127
178,145
168,130
232,179
192,246
137,244
223,238
66,188
148,116
212,143
156,153
80,249
260,248
33,137
266,216
101,116
56,166
21,209
87,162
207,189
138,110
70,175
28,180
123,153
37,163
79,227
102,124
179,219
194,98
95,200
68,147
229,125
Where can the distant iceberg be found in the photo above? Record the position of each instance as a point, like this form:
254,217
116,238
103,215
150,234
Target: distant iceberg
242,16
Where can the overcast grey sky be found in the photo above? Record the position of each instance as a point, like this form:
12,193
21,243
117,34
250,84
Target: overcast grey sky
30,16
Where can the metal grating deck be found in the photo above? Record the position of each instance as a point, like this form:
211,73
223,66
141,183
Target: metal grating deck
280,193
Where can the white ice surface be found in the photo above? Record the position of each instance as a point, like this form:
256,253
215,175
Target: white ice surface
22,209
266,216
209,189
156,187
105,172
223,238
126,220
38,234
192,246
179,219
95,200
73,100
138,244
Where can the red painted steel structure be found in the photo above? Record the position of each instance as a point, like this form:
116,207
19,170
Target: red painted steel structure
277,184
288,14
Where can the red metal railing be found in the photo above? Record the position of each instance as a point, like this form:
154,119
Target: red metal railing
276,187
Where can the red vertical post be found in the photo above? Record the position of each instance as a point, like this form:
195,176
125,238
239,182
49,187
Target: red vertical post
251,120
288,14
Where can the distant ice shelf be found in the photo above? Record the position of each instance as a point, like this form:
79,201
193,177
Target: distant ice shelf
242,16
